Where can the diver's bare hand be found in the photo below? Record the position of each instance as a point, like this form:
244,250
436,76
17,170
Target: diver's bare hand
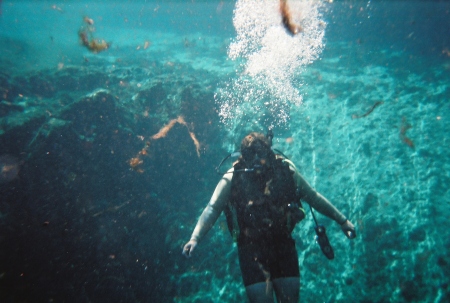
349,229
189,248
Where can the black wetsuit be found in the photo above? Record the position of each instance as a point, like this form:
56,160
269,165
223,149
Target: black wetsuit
259,206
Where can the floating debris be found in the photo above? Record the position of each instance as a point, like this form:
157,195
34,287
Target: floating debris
111,209
136,161
56,8
286,19
88,40
9,168
405,126
369,111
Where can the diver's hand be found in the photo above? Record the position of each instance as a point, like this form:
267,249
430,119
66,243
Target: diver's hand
349,229
189,248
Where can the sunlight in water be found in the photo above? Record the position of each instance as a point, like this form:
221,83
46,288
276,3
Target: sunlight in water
267,82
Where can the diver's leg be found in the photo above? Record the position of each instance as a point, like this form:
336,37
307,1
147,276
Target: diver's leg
287,290
261,292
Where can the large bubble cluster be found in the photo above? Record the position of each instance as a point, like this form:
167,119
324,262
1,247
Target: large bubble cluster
267,81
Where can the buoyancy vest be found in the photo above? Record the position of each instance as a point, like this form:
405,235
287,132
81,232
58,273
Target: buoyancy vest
260,204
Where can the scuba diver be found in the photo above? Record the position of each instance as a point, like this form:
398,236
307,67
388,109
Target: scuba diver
260,196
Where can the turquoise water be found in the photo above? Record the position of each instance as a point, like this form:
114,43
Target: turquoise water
359,101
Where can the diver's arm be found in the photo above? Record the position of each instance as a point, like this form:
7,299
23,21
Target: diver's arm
317,201
211,212
321,204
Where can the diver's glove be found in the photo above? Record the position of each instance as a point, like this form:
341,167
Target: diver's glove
189,248
349,229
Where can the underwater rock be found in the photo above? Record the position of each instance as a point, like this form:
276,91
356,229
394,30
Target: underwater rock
418,234
442,262
7,107
93,116
4,87
81,79
366,149
40,85
198,108
71,131
370,202
152,96
413,291
9,90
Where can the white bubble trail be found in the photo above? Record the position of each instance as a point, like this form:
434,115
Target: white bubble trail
264,89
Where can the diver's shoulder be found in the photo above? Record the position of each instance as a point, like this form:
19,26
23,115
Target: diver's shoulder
229,174
290,163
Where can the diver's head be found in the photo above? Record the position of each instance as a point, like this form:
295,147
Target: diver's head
256,152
